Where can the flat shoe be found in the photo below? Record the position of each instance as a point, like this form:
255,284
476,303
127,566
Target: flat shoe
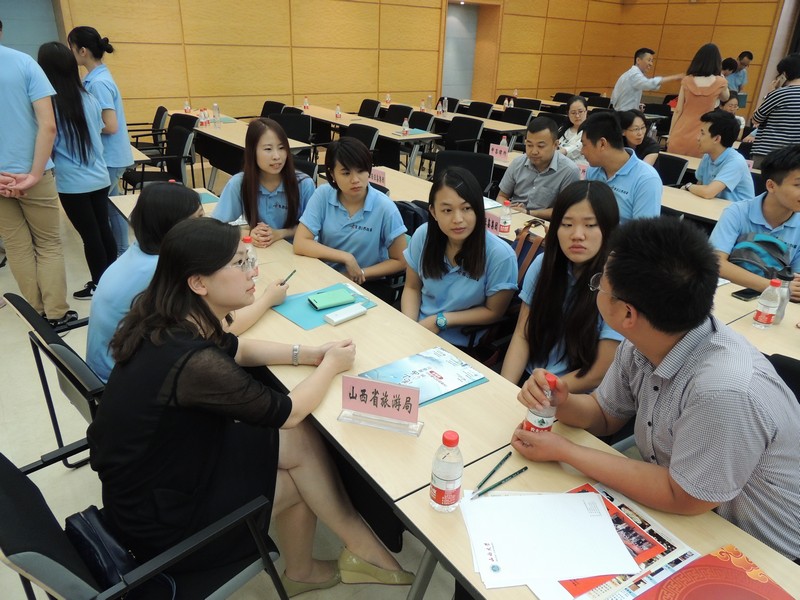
356,570
294,588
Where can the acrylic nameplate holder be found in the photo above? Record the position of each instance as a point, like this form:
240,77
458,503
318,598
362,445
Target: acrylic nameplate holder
386,406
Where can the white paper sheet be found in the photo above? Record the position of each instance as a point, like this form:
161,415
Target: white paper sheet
516,539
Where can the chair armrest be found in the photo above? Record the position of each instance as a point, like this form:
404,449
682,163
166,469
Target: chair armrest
56,456
464,142
148,133
181,550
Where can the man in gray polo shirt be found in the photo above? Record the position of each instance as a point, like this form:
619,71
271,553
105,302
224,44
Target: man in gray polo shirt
716,426
533,181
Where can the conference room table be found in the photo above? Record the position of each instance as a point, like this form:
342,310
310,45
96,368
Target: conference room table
783,338
499,127
139,156
388,131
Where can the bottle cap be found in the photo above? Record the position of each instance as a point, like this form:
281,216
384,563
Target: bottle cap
775,283
450,439
552,380
506,202
247,239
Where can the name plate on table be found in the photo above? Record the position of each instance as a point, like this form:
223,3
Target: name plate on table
378,176
498,151
381,405
492,222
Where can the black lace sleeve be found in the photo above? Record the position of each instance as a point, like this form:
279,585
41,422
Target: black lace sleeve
209,379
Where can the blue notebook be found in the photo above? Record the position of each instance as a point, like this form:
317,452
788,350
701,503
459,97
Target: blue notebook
299,311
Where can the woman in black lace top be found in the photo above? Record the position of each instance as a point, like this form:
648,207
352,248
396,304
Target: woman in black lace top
184,434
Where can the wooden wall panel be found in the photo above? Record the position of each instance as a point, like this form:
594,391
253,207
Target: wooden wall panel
641,36
404,28
603,12
518,71
533,8
596,72
747,15
334,24
141,110
238,70
242,22
559,71
572,9
325,70
647,14
600,39
563,37
349,101
144,21
682,41
424,3
682,14
755,39
407,70
522,34
133,69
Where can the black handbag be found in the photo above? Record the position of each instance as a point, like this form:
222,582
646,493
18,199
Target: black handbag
105,557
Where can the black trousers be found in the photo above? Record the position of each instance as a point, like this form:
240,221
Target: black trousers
88,213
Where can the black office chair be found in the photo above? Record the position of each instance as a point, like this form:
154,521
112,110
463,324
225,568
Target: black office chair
788,369
529,103
297,127
269,107
364,133
292,110
503,97
306,166
77,381
588,95
464,133
758,183
518,116
480,165
669,98
662,125
479,109
369,108
149,138
671,169
560,119
172,164
562,96
599,101
452,103
33,544
397,113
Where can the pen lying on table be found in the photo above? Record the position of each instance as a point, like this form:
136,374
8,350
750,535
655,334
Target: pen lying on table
499,483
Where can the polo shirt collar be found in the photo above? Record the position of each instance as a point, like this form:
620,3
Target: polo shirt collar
265,192
629,164
722,157
94,73
756,215
553,166
682,352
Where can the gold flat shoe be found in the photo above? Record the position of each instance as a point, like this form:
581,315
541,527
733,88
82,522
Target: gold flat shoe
295,588
356,570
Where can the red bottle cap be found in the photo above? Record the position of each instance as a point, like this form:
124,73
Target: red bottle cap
552,380
247,239
775,283
450,439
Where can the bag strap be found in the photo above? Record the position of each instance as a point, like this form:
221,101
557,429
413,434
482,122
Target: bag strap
531,249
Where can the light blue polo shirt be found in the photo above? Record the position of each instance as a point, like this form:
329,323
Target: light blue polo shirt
116,146
366,235
745,217
456,290
22,82
636,185
72,175
121,282
272,206
737,80
731,169
557,359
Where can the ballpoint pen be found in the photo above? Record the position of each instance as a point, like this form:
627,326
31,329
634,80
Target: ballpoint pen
492,472
499,483
288,277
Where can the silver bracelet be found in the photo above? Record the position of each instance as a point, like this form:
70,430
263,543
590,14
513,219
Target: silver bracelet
296,355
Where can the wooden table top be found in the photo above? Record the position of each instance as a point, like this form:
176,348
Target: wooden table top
385,130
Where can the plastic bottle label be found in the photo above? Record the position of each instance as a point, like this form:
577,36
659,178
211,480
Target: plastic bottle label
538,424
765,318
445,492
505,225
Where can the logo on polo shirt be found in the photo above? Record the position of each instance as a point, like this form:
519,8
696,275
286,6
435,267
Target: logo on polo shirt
360,227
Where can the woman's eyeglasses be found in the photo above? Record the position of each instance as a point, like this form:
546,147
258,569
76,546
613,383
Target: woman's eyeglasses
245,264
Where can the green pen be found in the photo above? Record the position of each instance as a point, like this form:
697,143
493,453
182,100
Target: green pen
499,483
288,277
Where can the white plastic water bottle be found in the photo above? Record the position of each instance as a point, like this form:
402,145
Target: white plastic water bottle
653,132
542,420
505,216
504,142
388,98
187,108
430,101
439,108
505,102
516,92
405,126
448,467
510,103
444,107
305,103
338,112
785,278
422,105
217,115
250,256
768,303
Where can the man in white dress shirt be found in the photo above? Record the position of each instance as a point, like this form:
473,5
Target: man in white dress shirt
627,92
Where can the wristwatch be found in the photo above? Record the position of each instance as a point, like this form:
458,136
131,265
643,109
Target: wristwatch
441,321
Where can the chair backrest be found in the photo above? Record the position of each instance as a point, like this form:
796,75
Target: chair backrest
562,96
297,127
271,107
599,101
559,119
369,108
184,120
379,187
480,165
364,133
292,110
788,369
658,109
529,103
461,129
479,109
518,116
503,97
671,169
414,214
421,120
76,379
179,145
33,544
669,98
452,103
758,183
588,95
306,166
159,122
397,113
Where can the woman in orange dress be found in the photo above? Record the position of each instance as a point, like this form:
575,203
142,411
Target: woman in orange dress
701,91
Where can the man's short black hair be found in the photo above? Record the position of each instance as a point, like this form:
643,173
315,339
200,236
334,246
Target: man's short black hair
541,123
666,269
779,163
746,54
730,64
790,66
723,124
606,125
641,52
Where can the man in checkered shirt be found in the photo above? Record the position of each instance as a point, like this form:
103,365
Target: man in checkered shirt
716,426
